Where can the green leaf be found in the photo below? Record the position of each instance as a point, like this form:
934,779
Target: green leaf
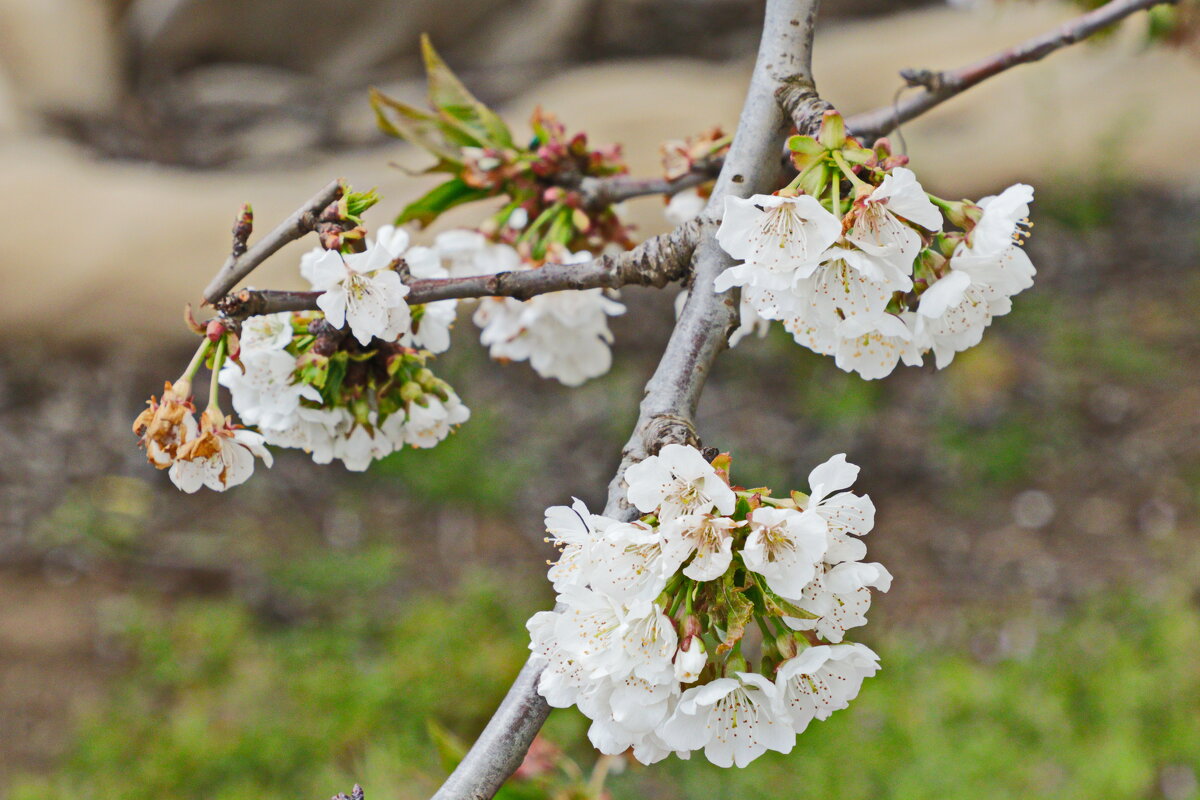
449,96
415,126
439,199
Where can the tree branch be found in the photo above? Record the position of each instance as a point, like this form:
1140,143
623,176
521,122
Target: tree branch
941,86
601,192
301,222
672,393
655,262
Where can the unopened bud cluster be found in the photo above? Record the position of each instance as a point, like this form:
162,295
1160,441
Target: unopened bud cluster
716,621
859,262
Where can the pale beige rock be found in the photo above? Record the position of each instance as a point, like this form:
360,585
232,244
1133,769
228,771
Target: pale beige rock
61,55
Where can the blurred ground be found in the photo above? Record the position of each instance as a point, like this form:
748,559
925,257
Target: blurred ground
1038,502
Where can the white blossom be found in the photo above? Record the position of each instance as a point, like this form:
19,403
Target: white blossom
461,249
872,349
219,456
987,269
633,709
361,445
1001,221
628,560
425,422
785,546
709,537
646,644
878,220
263,388
572,530
430,329
840,598
846,514
780,240
821,680
733,719
266,332
361,290
690,663
313,430
563,335
678,481
849,290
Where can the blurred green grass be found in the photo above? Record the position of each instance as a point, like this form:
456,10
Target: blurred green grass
220,705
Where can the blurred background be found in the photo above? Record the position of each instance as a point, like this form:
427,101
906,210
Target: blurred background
1037,502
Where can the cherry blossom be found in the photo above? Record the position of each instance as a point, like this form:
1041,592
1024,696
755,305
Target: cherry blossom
678,481
732,719
219,456
821,680
360,289
784,547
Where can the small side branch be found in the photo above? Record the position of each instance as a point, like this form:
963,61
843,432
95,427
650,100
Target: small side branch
655,262
601,192
242,261
941,86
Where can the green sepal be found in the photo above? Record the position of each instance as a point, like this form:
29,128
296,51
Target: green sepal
358,202
740,611
805,145
833,131
438,200
815,178
741,508
856,155
335,376
312,369
779,607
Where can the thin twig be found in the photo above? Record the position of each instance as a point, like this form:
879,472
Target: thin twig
600,192
301,222
672,394
941,86
655,262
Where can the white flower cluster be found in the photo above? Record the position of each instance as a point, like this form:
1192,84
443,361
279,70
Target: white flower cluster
846,286
563,335
266,394
647,635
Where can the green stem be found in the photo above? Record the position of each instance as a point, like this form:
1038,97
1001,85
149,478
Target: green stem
859,183
213,386
795,184
548,214
194,365
945,205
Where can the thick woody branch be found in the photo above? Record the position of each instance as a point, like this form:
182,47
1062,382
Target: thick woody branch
941,86
655,262
669,404
242,261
